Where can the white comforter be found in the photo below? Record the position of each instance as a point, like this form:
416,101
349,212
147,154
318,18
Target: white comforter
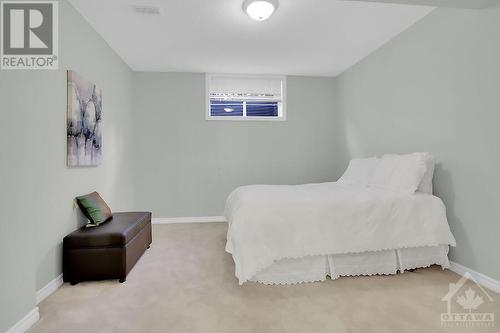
268,223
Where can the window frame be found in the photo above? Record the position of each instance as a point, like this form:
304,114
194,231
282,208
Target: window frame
208,116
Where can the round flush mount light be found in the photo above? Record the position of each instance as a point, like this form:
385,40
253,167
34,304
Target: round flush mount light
260,10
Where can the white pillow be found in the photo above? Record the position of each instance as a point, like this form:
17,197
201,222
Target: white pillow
359,171
426,183
400,173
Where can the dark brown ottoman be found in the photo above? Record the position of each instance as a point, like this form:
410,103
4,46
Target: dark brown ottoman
108,251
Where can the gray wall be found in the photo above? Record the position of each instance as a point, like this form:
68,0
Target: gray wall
188,165
436,88
36,186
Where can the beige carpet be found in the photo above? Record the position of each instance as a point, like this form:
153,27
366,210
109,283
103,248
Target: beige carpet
186,283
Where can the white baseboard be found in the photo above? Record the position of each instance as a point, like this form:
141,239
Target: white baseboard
49,289
199,219
480,278
26,322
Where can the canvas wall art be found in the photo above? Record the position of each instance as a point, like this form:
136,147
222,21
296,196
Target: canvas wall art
84,122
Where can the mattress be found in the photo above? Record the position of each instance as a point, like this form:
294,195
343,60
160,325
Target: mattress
317,268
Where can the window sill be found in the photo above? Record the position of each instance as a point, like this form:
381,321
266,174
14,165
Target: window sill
229,118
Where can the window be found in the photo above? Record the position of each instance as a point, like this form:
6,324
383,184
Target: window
245,97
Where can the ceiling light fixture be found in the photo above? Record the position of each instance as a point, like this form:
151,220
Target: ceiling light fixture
260,10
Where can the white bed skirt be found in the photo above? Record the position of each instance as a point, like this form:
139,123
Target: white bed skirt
317,268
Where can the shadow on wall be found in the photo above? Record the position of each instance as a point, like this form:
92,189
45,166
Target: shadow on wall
444,189
80,220
77,220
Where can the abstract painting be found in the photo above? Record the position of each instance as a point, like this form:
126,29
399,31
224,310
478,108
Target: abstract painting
84,122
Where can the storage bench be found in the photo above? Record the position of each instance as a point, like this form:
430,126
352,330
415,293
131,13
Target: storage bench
108,251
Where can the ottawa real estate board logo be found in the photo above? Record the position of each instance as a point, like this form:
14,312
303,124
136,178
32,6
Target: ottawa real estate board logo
467,305
29,35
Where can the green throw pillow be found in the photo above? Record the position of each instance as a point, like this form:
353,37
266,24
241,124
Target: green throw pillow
94,208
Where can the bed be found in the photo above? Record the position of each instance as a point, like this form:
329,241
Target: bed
378,218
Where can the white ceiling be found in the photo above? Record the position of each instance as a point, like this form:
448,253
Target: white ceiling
471,4
303,37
